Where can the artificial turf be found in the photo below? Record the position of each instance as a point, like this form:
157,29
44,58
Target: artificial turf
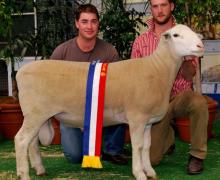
172,167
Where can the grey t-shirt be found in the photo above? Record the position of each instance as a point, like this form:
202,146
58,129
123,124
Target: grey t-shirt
70,51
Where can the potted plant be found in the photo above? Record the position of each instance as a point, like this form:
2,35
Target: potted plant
13,51
120,26
16,47
183,123
201,15
11,117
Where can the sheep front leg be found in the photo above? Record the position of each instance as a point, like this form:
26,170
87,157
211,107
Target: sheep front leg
146,153
137,135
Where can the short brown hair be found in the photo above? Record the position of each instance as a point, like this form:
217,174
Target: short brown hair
170,1
86,8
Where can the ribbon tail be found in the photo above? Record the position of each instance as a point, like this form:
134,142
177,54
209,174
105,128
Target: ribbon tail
91,162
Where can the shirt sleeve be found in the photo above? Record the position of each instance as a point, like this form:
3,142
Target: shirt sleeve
57,54
195,62
135,52
115,55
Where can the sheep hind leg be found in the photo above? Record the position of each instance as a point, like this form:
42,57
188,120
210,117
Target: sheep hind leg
21,146
35,157
146,153
22,141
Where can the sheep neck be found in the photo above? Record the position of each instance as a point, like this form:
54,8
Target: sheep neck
166,63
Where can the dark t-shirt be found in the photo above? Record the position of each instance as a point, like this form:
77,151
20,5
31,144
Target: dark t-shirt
70,51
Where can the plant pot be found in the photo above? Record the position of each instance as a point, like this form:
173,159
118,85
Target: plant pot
127,135
11,119
57,134
183,123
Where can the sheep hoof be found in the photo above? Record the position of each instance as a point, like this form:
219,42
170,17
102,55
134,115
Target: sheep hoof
151,173
153,177
40,171
141,176
43,174
23,177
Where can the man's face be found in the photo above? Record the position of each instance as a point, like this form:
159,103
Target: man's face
88,25
161,10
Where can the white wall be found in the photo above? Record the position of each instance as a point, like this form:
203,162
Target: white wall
209,60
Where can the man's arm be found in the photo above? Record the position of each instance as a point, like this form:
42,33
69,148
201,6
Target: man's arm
135,53
189,67
190,71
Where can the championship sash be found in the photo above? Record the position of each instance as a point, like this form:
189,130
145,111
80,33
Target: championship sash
93,118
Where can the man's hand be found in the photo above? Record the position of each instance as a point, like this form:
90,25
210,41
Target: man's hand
188,70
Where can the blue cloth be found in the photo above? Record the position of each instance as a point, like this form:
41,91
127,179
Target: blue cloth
71,141
114,137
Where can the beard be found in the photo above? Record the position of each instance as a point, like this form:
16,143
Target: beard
163,21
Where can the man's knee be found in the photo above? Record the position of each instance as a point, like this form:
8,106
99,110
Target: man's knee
188,103
156,159
156,153
198,102
73,157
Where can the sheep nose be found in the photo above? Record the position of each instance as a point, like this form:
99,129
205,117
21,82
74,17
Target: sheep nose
200,46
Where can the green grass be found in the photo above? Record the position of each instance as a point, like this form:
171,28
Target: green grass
171,168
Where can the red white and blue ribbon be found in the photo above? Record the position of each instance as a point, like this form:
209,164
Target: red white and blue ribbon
93,117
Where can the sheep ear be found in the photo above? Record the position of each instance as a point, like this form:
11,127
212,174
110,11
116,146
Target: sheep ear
167,36
200,36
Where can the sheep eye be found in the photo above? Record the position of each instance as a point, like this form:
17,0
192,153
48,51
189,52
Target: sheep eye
176,35
167,36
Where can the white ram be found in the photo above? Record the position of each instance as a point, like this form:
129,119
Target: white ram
137,93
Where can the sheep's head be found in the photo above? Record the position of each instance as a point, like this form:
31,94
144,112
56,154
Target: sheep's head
184,41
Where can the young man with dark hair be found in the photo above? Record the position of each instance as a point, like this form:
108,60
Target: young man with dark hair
183,101
87,47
